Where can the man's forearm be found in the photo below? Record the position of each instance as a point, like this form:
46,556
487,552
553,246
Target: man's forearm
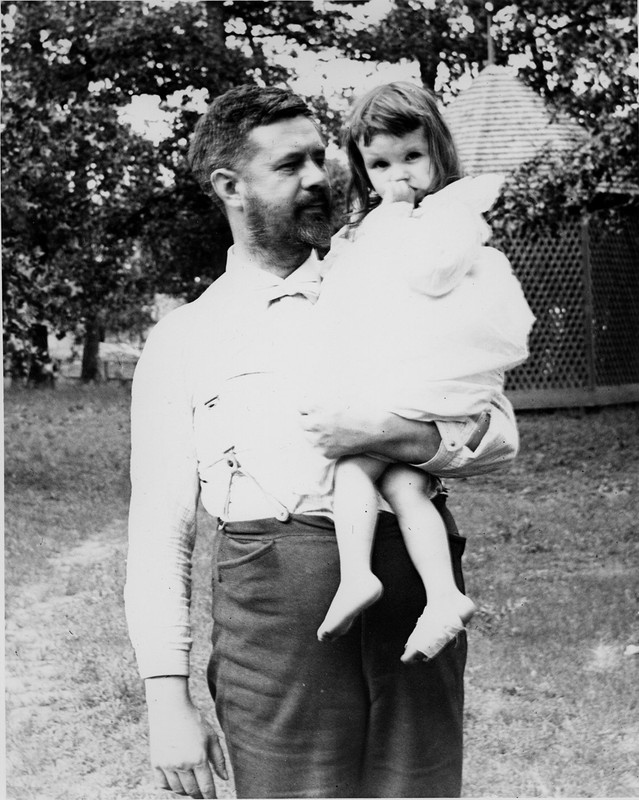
405,440
344,430
167,688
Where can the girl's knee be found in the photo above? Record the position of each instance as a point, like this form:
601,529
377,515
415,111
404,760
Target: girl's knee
400,481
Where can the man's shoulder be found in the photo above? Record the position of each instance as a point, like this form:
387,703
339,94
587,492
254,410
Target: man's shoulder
188,319
187,312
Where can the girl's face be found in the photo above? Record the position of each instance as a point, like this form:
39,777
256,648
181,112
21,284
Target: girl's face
405,158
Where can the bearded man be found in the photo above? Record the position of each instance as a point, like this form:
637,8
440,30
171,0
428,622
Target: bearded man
213,419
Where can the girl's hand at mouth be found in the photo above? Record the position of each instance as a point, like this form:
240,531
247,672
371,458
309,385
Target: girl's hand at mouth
399,192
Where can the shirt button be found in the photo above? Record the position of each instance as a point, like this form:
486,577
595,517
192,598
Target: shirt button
282,516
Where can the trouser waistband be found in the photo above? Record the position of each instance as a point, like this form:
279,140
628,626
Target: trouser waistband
300,524
271,525
295,523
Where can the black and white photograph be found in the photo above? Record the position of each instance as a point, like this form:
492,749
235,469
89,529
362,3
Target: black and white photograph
266,539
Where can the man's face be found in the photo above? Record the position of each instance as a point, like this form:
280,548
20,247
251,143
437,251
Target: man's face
285,188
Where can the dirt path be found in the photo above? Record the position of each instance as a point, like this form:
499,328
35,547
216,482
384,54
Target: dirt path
41,617
75,714
56,709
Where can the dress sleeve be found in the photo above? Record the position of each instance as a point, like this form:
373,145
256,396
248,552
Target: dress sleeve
165,490
499,445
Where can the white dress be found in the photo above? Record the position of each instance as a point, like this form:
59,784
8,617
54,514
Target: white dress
417,315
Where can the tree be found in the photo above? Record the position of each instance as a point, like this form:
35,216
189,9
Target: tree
96,219
437,34
70,173
581,62
189,48
579,57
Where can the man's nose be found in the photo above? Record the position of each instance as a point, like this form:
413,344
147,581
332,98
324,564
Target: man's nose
313,175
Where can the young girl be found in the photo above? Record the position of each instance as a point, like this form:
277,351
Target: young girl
419,316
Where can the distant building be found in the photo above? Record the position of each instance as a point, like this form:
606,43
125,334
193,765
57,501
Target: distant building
499,122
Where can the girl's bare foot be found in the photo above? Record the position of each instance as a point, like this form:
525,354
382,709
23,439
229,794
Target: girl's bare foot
440,623
352,597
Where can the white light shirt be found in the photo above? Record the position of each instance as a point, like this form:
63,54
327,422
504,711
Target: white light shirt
211,379
254,458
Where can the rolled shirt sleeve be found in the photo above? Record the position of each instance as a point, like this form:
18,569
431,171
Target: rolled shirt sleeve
499,445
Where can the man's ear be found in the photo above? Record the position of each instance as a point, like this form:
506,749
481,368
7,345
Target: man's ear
225,185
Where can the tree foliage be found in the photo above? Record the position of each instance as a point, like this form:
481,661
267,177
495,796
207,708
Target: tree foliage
71,173
449,34
578,54
580,57
96,218
584,63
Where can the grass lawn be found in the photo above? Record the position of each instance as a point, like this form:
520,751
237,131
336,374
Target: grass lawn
552,560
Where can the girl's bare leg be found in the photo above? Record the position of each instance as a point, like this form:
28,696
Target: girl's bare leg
355,506
448,609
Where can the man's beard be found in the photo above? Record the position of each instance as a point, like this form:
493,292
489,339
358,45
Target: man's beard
307,224
315,230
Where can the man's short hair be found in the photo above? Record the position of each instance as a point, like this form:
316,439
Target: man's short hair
220,136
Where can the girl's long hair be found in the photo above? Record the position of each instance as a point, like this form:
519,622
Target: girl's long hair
396,109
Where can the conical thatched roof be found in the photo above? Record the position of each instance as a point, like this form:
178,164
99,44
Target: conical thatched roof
499,122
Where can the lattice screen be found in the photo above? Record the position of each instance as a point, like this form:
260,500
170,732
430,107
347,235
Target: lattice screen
583,287
615,289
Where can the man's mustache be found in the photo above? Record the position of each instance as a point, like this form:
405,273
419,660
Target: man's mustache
320,198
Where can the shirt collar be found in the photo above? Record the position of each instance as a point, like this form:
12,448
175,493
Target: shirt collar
254,276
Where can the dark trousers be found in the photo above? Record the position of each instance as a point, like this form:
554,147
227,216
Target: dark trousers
341,719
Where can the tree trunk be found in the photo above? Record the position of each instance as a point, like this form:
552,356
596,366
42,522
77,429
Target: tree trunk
38,372
428,58
91,352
